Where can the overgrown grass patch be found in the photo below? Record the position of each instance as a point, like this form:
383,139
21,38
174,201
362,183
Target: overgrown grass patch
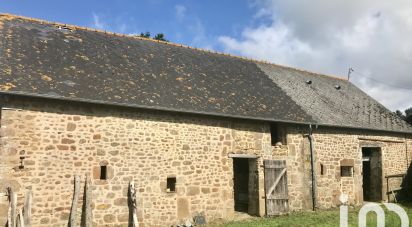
320,218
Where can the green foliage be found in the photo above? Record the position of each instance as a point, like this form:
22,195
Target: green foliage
407,116
161,37
408,112
400,114
409,119
145,35
319,218
158,36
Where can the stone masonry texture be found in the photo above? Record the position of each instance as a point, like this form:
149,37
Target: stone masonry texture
62,139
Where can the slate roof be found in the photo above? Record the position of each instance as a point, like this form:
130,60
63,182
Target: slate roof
45,59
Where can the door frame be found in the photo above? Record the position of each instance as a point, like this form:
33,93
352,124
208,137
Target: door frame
256,200
382,177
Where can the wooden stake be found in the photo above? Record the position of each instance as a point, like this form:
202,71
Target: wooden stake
9,223
88,198
73,210
27,209
20,219
132,193
11,215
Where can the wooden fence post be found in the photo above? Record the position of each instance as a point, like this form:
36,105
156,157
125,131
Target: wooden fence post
88,198
132,193
20,219
27,209
11,215
73,210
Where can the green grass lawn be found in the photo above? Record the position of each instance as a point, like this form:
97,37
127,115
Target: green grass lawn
320,218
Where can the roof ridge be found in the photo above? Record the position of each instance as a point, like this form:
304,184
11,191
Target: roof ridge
12,16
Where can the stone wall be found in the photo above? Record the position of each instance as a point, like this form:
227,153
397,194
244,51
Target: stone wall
59,140
334,148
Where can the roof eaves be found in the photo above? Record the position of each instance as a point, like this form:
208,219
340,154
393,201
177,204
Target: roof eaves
190,112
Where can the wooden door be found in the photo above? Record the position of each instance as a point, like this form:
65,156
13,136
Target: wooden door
375,176
276,187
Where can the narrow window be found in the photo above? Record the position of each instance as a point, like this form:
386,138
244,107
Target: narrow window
346,171
171,184
273,134
277,134
103,172
322,169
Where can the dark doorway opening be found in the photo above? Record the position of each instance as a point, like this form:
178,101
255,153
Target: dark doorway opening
241,184
372,174
245,183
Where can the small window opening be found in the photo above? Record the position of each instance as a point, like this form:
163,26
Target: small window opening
322,169
346,171
171,184
277,134
103,172
21,166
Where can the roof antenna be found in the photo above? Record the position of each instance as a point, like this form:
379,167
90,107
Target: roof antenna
349,72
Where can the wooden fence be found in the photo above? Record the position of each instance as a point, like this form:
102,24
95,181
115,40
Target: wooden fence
22,217
391,190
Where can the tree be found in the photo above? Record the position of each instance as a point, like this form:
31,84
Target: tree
408,115
161,37
408,112
400,114
158,36
409,119
145,35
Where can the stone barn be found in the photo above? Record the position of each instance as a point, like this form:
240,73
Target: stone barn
202,134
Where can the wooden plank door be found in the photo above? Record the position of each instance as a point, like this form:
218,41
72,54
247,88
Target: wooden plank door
276,187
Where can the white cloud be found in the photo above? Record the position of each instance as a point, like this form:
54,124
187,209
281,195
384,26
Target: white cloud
118,24
180,12
193,28
200,37
373,36
98,23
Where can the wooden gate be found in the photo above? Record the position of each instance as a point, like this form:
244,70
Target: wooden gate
276,187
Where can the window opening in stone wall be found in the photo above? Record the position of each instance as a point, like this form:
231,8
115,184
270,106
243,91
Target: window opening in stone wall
21,166
103,172
346,171
171,184
277,134
322,169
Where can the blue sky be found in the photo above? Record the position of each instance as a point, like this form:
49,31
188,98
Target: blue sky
195,23
373,37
